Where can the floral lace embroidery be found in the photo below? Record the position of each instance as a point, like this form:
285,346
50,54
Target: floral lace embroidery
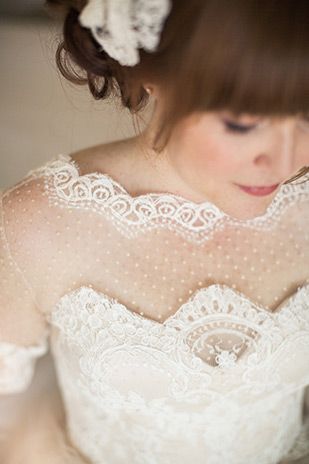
186,342
223,362
199,395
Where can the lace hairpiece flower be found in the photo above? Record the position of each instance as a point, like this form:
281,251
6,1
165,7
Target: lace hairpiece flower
123,26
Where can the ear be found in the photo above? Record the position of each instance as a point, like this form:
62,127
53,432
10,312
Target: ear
151,89
148,89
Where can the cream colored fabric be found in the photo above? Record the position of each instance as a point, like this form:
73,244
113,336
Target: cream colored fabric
179,333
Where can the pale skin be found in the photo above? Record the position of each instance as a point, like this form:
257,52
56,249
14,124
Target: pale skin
201,162
204,161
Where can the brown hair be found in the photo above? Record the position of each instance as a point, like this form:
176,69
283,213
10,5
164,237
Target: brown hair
247,56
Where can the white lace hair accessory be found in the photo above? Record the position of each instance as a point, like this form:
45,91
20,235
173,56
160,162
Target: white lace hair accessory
123,26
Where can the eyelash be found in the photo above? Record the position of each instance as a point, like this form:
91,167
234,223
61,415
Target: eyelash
233,127
241,129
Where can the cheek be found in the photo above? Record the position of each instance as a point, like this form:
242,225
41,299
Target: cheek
215,156
205,150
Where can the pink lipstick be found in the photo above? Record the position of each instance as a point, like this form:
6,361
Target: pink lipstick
259,191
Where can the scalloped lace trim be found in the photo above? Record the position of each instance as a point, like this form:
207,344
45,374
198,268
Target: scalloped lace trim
187,335
194,221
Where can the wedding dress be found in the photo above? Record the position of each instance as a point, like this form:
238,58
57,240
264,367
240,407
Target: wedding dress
179,334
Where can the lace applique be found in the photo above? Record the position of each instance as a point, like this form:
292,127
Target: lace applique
150,439
183,397
221,377
210,330
132,215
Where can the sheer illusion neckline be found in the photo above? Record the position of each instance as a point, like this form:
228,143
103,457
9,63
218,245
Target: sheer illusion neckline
196,222
144,196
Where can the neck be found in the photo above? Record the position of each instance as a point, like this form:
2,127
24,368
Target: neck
159,169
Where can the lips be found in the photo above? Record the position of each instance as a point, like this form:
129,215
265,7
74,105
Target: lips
258,191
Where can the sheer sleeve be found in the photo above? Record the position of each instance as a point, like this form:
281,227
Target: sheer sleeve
23,330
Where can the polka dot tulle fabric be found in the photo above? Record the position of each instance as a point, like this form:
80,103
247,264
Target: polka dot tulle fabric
179,333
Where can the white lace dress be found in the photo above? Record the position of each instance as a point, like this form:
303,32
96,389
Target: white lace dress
179,334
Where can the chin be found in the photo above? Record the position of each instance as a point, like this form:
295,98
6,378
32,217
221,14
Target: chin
243,206
246,208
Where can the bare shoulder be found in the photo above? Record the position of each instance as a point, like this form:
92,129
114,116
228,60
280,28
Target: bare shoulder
123,160
111,158
88,159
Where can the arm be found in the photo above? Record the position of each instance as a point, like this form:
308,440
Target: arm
40,432
31,411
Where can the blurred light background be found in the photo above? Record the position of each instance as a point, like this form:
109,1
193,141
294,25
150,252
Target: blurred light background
41,114
28,7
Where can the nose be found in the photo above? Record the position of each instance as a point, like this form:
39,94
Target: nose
279,158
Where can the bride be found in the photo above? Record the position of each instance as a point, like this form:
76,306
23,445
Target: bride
168,272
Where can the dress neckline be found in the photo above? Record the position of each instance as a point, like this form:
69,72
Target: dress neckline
195,221
192,306
283,191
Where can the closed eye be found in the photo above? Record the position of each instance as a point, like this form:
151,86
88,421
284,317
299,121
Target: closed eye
234,127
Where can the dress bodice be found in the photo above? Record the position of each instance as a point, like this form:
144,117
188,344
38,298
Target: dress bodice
178,333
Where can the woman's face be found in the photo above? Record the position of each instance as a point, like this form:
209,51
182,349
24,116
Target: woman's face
232,161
